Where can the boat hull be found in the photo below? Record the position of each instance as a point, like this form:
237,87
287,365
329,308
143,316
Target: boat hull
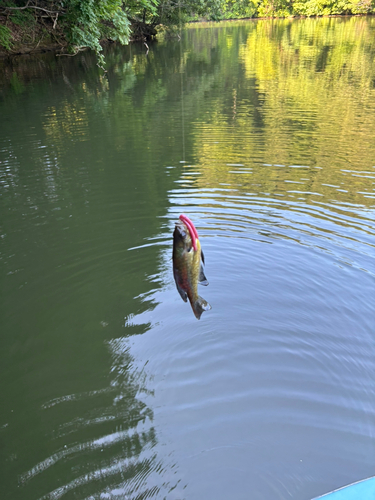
362,490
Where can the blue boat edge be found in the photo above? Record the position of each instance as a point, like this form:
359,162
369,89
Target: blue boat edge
360,490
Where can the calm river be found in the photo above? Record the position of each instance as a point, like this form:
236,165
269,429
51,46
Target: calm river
263,134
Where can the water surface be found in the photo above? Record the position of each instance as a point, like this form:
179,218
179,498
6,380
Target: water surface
262,133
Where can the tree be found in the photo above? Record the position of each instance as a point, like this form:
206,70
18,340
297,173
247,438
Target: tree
74,24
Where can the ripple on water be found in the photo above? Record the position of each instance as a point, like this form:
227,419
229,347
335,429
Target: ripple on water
109,443
281,366
287,350
113,388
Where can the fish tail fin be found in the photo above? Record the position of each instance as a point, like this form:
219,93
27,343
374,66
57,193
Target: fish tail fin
200,305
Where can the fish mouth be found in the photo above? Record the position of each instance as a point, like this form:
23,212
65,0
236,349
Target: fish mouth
181,229
191,228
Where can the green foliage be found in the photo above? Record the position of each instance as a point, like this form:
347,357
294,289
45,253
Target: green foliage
328,7
84,24
143,10
237,9
173,13
170,15
22,17
87,20
275,8
5,37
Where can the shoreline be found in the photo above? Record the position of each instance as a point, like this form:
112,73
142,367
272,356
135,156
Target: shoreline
45,46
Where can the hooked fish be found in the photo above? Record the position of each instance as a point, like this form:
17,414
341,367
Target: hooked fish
188,260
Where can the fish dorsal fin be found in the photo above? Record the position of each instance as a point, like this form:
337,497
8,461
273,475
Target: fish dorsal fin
202,277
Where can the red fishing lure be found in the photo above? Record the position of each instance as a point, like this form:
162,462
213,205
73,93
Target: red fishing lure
193,232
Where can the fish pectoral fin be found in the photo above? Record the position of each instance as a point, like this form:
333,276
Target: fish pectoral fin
182,292
202,277
201,305
177,280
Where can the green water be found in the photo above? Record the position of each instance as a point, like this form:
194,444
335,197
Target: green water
263,133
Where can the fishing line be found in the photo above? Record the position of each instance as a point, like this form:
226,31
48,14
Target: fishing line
182,89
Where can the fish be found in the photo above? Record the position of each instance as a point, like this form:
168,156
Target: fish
188,260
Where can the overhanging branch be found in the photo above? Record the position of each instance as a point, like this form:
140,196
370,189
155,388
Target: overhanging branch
28,6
